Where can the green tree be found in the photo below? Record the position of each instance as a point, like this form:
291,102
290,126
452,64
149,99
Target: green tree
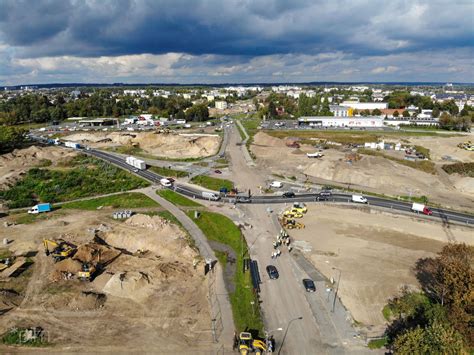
405,113
10,138
435,113
198,113
396,114
272,110
376,112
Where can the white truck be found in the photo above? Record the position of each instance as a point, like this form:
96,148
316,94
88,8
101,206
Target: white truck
359,199
210,196
314,155
276,184
73,145
136,163
419,207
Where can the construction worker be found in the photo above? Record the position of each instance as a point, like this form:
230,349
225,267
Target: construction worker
290,248
278,252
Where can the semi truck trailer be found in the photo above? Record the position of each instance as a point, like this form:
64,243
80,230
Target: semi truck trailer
419,207
136,163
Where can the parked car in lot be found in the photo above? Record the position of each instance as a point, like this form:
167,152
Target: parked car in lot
309,285
272,272
289,194
218,171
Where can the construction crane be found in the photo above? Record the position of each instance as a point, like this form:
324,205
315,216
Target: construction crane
59,250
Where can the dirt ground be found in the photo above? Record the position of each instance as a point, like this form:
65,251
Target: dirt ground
371,172
13,165
150,298
159,144
375,251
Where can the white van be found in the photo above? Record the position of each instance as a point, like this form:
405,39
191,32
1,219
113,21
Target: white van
166,182
210,196
276,184
359,199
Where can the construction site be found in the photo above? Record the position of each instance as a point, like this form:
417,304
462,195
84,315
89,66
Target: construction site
343,166
98,284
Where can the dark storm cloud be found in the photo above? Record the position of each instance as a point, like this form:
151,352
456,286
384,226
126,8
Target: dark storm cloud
233,27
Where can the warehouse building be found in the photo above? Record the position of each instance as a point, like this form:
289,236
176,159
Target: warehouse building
341,122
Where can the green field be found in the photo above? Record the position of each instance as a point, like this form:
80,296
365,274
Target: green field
125,200
168,172
84,177
177,199
223,230
212,183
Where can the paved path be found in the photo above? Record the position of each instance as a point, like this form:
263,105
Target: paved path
221,309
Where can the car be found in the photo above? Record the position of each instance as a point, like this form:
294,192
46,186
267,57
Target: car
272,272
218,171
276,184
135,170
288,194
244,199
324,194
309,285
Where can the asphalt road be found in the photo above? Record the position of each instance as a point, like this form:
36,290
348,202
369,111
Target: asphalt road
445,215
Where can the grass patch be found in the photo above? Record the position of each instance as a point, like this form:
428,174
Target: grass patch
352,137
212,183
87,177
177,199
251,126
222,257
5,253
125,200
423,150
43,163
463,169
17,336
222,161
387,312
423,165
168,172
377,343
223,230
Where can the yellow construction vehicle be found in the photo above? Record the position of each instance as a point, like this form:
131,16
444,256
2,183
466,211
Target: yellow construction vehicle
292,224
247,344
292,214
87,273
299,207
59,250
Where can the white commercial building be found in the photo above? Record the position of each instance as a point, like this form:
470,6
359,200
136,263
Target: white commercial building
365,105
340,122
221,105
340,111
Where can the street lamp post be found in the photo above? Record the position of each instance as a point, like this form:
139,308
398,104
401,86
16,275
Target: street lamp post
286,332
337,288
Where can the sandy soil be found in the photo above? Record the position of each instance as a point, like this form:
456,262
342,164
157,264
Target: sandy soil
375,251
159,144
446,146
13,165
150,297
370,173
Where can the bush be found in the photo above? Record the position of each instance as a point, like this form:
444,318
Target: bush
464,169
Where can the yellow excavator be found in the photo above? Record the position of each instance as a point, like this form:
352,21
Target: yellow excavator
88,271
247,344
59,249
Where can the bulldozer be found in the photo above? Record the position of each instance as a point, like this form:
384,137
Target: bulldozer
247,344
292,214
291,223
59,249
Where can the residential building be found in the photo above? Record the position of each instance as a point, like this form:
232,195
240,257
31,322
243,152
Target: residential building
221,105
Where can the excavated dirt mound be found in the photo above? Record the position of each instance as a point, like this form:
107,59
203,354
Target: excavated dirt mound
87,300
133,284
94,253
154,234
13,165
9,299
159,144
65,269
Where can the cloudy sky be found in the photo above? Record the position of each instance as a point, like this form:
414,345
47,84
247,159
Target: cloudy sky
222,41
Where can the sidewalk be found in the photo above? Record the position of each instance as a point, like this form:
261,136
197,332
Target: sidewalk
221,309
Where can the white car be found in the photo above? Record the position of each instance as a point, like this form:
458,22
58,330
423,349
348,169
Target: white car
276,184
359,199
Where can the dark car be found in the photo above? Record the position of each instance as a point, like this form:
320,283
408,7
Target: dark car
218,171
309,285
324,195
272,272
289,194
